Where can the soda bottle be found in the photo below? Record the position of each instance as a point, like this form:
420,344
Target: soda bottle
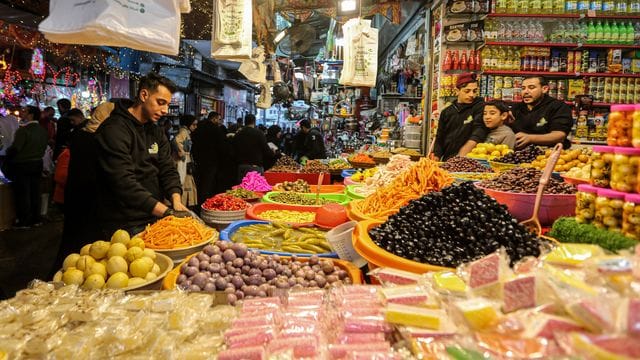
472,60
634,7
591,33
599,33
583,32
635,31
621,7
608,7
595,5
583,6
606,33
446,65
571,6
455,61
464,64
615,33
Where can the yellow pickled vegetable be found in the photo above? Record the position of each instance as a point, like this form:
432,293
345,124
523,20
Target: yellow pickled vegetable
288,216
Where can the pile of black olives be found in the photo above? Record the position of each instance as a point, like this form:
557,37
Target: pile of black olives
526,155
457,225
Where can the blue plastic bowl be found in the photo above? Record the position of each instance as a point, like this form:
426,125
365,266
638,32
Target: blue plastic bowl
225,235
348,172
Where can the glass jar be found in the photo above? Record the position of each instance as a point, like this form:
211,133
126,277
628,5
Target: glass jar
631,216
624,169
586,203
609,205
635,132
620,125
601,160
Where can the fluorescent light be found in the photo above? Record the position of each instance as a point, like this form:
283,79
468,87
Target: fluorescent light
85,94
348,5
280,36
339,41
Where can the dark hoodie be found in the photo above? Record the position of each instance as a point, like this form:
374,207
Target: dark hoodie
458,124
135,169
548,115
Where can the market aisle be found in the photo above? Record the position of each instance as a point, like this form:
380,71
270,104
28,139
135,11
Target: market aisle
28,254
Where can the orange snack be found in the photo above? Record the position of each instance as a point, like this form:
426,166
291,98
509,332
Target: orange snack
362,158
172,232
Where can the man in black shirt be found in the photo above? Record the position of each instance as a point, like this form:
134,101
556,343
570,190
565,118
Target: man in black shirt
540,119
209,151
461,126
250,147
313,142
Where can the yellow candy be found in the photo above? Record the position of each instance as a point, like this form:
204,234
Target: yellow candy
478,313
449,281
414,316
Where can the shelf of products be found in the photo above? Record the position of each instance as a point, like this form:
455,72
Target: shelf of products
565,16
559,45
557,74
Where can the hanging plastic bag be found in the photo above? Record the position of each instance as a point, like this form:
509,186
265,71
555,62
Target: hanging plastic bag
149,26
185,6
254,69
264,101
365,57
231,30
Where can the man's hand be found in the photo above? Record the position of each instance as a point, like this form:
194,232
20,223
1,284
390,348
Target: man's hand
178,206
522,140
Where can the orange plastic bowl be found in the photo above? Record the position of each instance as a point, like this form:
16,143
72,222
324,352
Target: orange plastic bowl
379,257
331,215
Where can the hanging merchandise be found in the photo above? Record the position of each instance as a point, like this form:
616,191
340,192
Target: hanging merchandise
231,37
265,100
361,53
185,6
149,26
254,69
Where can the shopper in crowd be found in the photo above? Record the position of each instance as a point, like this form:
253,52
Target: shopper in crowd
496,114
207,140
63,127
136,172
60,177
24,159
313,142
188,124
250,148
8,126
460,126
239,124
274,139
48,123
288,143
539,118
81,191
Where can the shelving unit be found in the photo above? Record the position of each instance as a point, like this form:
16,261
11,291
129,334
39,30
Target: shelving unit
565,16
559,45
557,74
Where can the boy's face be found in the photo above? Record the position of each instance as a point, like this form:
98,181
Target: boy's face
492,117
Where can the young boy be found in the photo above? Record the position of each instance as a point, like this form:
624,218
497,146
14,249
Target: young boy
494,116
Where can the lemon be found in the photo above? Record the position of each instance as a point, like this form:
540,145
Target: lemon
99,249
155,269
141,267
135,281
117,264
70,261
118,280
84,262
120,236
133,254
96,268
73,277
149,253
85,249
58,276
150,276
117,249
136,242
95,281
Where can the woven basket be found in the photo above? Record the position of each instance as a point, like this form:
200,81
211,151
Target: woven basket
222,216
359,165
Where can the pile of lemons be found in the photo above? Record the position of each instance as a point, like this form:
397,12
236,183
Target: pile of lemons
360,176
569,159
488,151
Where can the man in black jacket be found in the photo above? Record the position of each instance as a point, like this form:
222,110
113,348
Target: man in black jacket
64,127
461,126
540,119
136,171
250,147
313,142
208,151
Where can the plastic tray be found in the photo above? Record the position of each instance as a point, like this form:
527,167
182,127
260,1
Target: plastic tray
356,215
521,205
352,194
347,173
359,165
226,234
275,178
379,257
355,274
342,199
254,212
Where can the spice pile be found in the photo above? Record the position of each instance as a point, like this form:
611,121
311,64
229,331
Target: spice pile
457,225
253,181
223,202
526,180
314,167
463,164
285,164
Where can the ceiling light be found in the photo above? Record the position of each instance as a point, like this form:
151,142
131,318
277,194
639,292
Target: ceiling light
348,7
280,36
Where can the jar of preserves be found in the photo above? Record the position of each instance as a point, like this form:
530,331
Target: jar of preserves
586,203
620,125
601,160
624,169
609,205
635,120
631,216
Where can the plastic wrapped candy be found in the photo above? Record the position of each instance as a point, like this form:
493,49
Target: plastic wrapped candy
389,276
547,326
409,295
247,353
448,282
415,316
303,347
479,313
251,339
597,314
342,351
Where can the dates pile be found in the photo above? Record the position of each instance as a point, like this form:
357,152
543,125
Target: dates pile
314,167
463,164
285,164
457,225
526,180
526,155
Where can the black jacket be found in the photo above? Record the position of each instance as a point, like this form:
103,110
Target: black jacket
458,124
250,147
63,134
314,145
208,139
135,168
547,116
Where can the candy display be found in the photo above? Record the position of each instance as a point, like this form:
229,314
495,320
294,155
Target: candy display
243,193
224,202
385,174
526,155
246,274
570,231
463,164
299,199
489,151
281,237
253,181
525,180
456,225
299,185
360,176
288,216
314,167
285,164
173,233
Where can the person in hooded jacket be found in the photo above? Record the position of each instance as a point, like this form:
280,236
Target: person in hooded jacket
136,170
461,126
313,142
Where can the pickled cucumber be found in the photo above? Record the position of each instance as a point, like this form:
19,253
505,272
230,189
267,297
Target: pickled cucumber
282,237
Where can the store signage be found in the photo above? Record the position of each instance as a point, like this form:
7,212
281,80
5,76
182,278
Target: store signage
235,97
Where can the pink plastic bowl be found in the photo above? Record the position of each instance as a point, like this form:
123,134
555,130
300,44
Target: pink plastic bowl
521,205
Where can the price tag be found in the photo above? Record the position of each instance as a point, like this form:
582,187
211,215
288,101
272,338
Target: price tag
591,13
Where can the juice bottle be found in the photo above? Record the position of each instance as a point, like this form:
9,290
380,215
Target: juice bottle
621,7
571,6
608,7
591,33
634,7
583,6
599,33
606,33
595,5
547,6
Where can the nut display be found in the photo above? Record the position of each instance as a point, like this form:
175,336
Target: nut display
285,164
526,155
624,169
299,185
298,199
489,151
586,203
601,161
526,180
463,164
609,205
314,167
631,216
568,159
459,224
281,237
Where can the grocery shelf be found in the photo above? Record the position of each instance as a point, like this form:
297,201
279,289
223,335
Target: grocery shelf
601,104
608,75
607,46
588,142
565,16
558,74
517,102
563,45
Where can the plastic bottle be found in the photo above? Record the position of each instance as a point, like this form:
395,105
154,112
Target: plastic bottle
595,5
559,7
535,7
464,63
621,7
615,33
591,33
583,32
635,31
539,31
582,6
599,33
608,7
501,6
606,33
571,6
523,6
634,7
547,6
512,6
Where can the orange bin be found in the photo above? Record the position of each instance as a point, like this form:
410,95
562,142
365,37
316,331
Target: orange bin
354,214
169,282
379,257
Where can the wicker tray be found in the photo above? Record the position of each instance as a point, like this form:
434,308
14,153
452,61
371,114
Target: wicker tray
358,165
381,160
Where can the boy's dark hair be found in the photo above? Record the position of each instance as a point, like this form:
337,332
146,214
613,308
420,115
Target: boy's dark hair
187,120
35,111
75,112
151,81
64,104
249,119
500,105
543,80
212,114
